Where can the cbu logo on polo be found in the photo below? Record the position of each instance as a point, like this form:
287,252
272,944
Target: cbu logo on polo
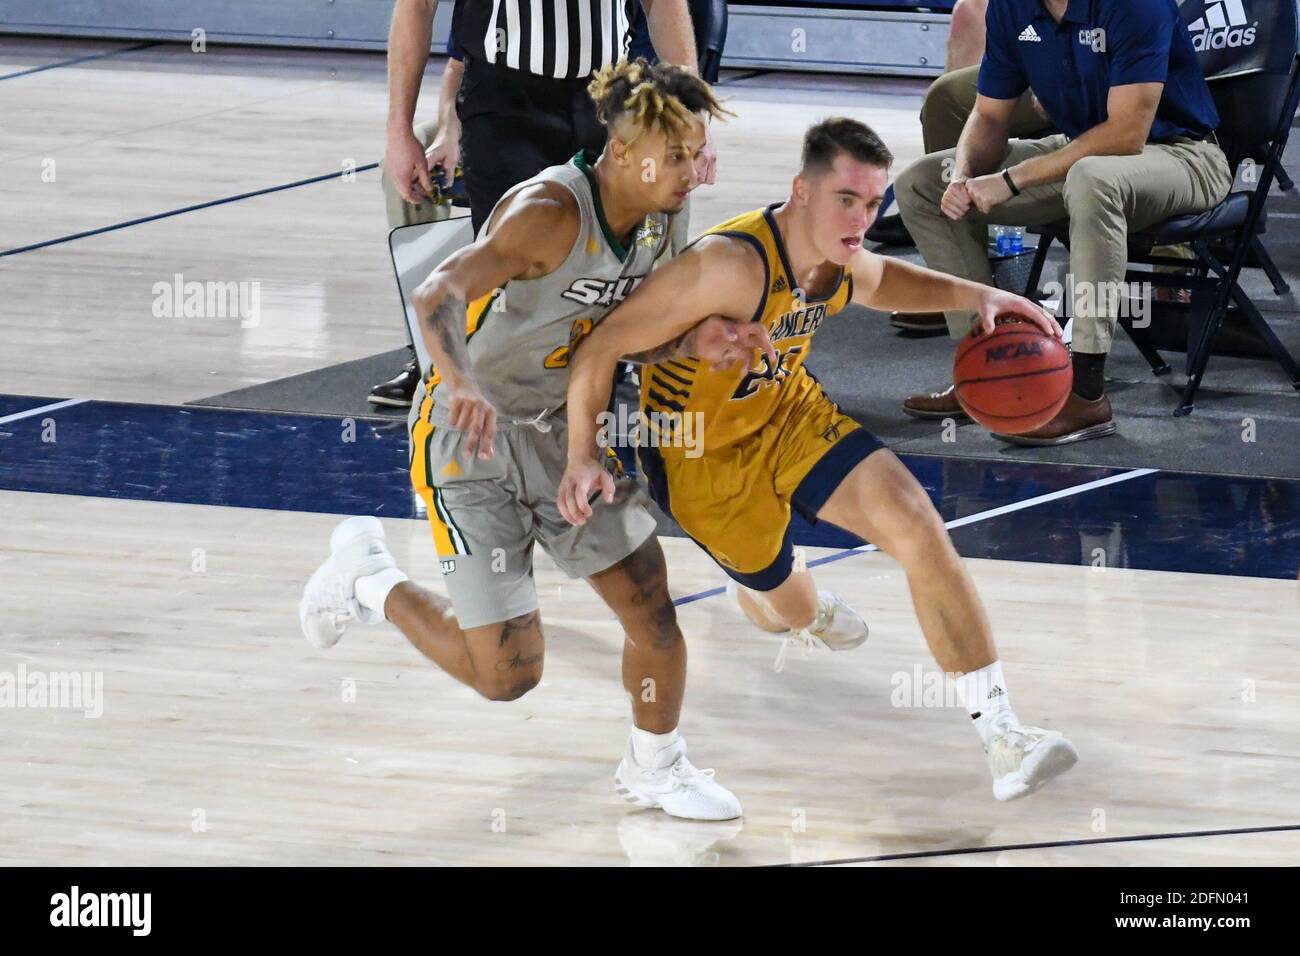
1094,38
1224,26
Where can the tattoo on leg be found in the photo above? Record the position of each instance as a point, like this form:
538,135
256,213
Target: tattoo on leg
518,625
518,661
646,568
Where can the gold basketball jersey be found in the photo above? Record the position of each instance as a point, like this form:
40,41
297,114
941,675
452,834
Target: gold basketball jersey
737,402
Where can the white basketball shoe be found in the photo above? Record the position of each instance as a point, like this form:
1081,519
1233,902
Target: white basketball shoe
1023,759
329,601
837,626
679,788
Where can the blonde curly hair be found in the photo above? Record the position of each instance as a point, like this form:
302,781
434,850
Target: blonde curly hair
634,93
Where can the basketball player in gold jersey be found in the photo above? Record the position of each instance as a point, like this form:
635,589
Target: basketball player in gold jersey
773,441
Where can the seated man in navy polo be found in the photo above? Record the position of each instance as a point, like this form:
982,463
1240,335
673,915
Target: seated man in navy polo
1121,81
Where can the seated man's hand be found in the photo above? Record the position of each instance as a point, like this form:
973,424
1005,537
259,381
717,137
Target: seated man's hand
956,202
996,302
988,191
723,343
580,479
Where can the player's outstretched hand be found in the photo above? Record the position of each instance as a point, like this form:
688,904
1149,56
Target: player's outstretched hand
723,343
998,303
471,413
581,479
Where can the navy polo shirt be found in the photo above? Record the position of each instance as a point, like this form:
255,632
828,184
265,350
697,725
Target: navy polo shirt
1071,66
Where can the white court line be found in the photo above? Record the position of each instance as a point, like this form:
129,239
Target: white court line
969,519
44,408
1008,509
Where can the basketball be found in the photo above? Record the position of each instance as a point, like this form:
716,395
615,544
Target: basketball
1013,379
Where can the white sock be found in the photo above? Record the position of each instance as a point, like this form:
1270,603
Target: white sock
651,750
372,590
984,692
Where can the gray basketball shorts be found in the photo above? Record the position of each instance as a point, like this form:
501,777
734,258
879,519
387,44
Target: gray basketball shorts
486,515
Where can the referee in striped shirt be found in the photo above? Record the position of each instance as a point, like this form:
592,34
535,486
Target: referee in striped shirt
523,103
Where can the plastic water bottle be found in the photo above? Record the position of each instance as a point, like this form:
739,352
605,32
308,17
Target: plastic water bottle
1002,240
1017,239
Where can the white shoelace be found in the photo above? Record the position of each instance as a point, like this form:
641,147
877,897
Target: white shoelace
686,771
802,638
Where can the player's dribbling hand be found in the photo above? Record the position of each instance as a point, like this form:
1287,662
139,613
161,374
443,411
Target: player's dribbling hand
722,342
469,412
581,478
998,303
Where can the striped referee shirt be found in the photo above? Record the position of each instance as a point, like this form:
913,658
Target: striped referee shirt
562,39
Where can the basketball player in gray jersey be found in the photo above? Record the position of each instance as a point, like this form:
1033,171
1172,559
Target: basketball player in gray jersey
489,435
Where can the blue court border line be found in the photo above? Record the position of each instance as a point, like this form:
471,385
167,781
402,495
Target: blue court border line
81,59
1122,475
369,479
1050,844
187,209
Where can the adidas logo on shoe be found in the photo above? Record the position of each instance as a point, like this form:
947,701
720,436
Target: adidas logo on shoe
1030,35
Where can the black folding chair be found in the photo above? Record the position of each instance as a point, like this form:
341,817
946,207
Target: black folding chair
1256,88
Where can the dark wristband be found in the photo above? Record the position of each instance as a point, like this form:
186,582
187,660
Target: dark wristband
1011,183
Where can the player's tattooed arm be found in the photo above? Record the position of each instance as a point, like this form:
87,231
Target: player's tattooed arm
508,249
446,327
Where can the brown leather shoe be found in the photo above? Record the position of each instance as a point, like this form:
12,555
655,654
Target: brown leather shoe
1079,420
923,323
936,405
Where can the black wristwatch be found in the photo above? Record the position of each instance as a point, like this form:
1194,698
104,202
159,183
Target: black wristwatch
1011,183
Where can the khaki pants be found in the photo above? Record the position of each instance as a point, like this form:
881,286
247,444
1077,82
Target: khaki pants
402,213
950,101
1105,197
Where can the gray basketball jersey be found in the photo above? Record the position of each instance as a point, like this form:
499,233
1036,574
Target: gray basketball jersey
520,335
